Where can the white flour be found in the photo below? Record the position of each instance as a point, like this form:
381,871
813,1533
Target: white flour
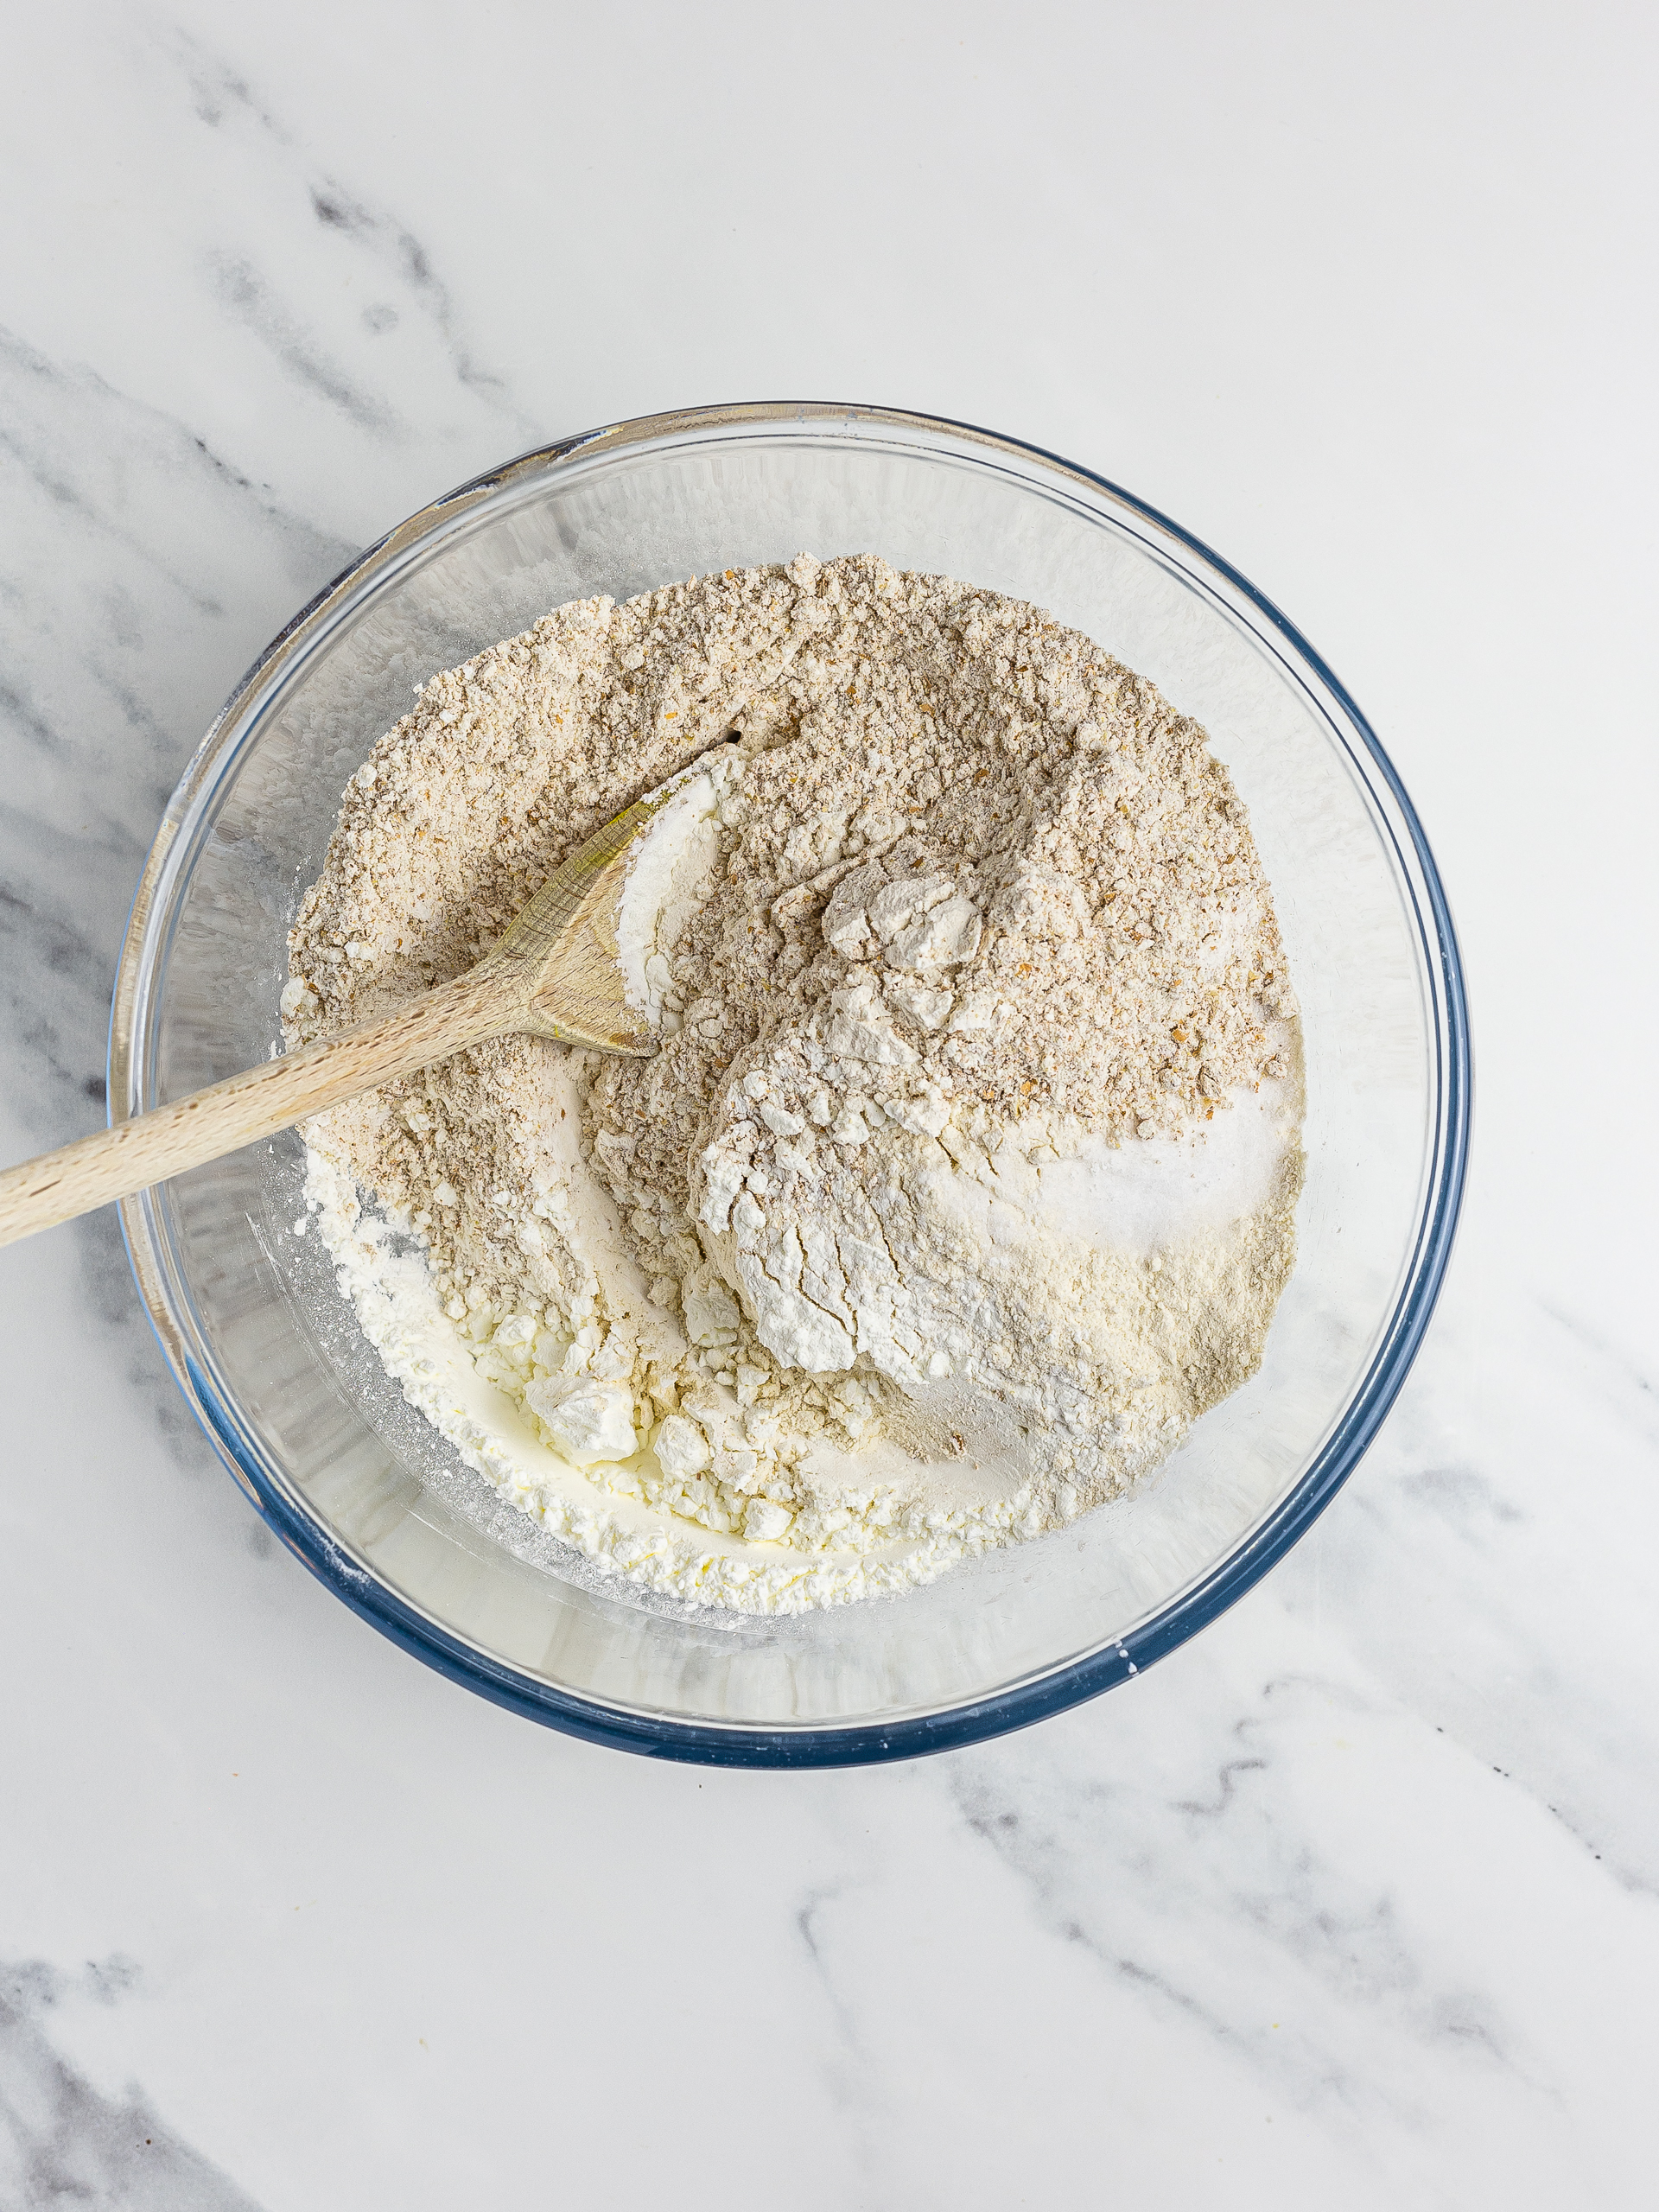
963,1179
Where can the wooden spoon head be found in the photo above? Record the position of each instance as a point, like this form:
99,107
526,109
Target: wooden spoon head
563,942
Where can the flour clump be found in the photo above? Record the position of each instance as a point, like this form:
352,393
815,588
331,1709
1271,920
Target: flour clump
963,1179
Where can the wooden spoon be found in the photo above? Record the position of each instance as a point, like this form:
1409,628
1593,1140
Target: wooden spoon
555,973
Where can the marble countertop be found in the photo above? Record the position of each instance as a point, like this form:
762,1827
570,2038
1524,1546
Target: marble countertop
1355,1900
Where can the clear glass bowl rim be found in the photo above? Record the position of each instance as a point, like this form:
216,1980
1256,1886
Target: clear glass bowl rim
142,955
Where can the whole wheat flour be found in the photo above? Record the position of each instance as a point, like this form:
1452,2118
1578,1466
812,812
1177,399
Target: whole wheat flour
963,1179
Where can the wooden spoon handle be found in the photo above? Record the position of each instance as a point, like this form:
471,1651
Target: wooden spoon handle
187,1132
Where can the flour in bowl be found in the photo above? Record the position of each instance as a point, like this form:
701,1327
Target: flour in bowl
963,1179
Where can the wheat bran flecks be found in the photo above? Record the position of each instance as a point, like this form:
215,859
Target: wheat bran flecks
963,1180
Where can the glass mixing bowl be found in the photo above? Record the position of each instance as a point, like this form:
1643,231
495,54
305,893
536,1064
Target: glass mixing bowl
378,1504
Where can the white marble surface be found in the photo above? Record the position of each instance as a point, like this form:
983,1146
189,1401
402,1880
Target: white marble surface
1353,1902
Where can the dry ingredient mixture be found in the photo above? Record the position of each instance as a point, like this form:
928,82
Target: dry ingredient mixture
963,1180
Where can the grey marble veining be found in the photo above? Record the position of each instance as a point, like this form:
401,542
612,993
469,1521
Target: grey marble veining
68,2144
1355,1901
